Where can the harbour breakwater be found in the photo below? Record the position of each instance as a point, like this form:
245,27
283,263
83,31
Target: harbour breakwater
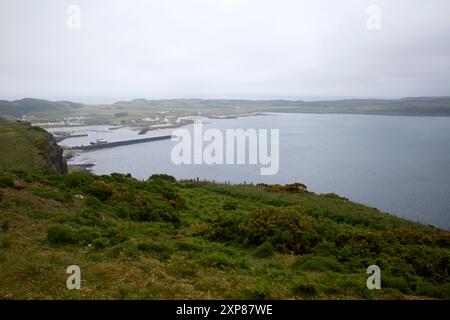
118,143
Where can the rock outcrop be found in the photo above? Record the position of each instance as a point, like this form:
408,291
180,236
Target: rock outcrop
57,163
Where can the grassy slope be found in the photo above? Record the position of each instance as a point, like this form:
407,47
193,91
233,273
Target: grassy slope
160,239
22,146
18,147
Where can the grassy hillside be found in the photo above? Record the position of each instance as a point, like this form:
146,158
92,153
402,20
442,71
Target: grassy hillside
164,239
28,106
426,106
23,147
127,112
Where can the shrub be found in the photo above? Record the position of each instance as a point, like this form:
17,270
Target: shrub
78,179
395,266
109,237
334,196
164,177
286,229
405,237
291,188
220,227
152,209
61,235
399,283
178,203
25,176
295,187
265,250
229,206
101,190
167,190
360,243
428,262
123,195
6,182
120,178
317,263
93,202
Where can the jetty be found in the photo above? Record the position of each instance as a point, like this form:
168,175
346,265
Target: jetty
119,143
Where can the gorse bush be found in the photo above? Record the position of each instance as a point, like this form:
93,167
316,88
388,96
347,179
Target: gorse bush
100,189
147,208
93,202
77,180
164,177
317,263
265,250
220,226
167,190
154,210
286,229
292,188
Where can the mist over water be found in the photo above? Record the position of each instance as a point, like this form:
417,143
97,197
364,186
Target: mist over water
400,165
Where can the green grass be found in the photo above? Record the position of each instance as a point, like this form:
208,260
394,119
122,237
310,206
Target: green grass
166,239
24,148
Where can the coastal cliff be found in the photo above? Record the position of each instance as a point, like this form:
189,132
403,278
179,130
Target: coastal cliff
56,161
27,148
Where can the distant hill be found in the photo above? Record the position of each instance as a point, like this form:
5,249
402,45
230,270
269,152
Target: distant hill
27,148
18,108
420,106
426,106
412,106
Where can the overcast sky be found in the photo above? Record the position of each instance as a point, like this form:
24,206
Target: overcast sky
253,49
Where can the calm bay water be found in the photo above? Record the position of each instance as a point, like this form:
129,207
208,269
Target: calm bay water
399,165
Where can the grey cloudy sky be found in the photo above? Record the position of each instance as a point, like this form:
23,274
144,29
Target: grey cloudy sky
223,49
